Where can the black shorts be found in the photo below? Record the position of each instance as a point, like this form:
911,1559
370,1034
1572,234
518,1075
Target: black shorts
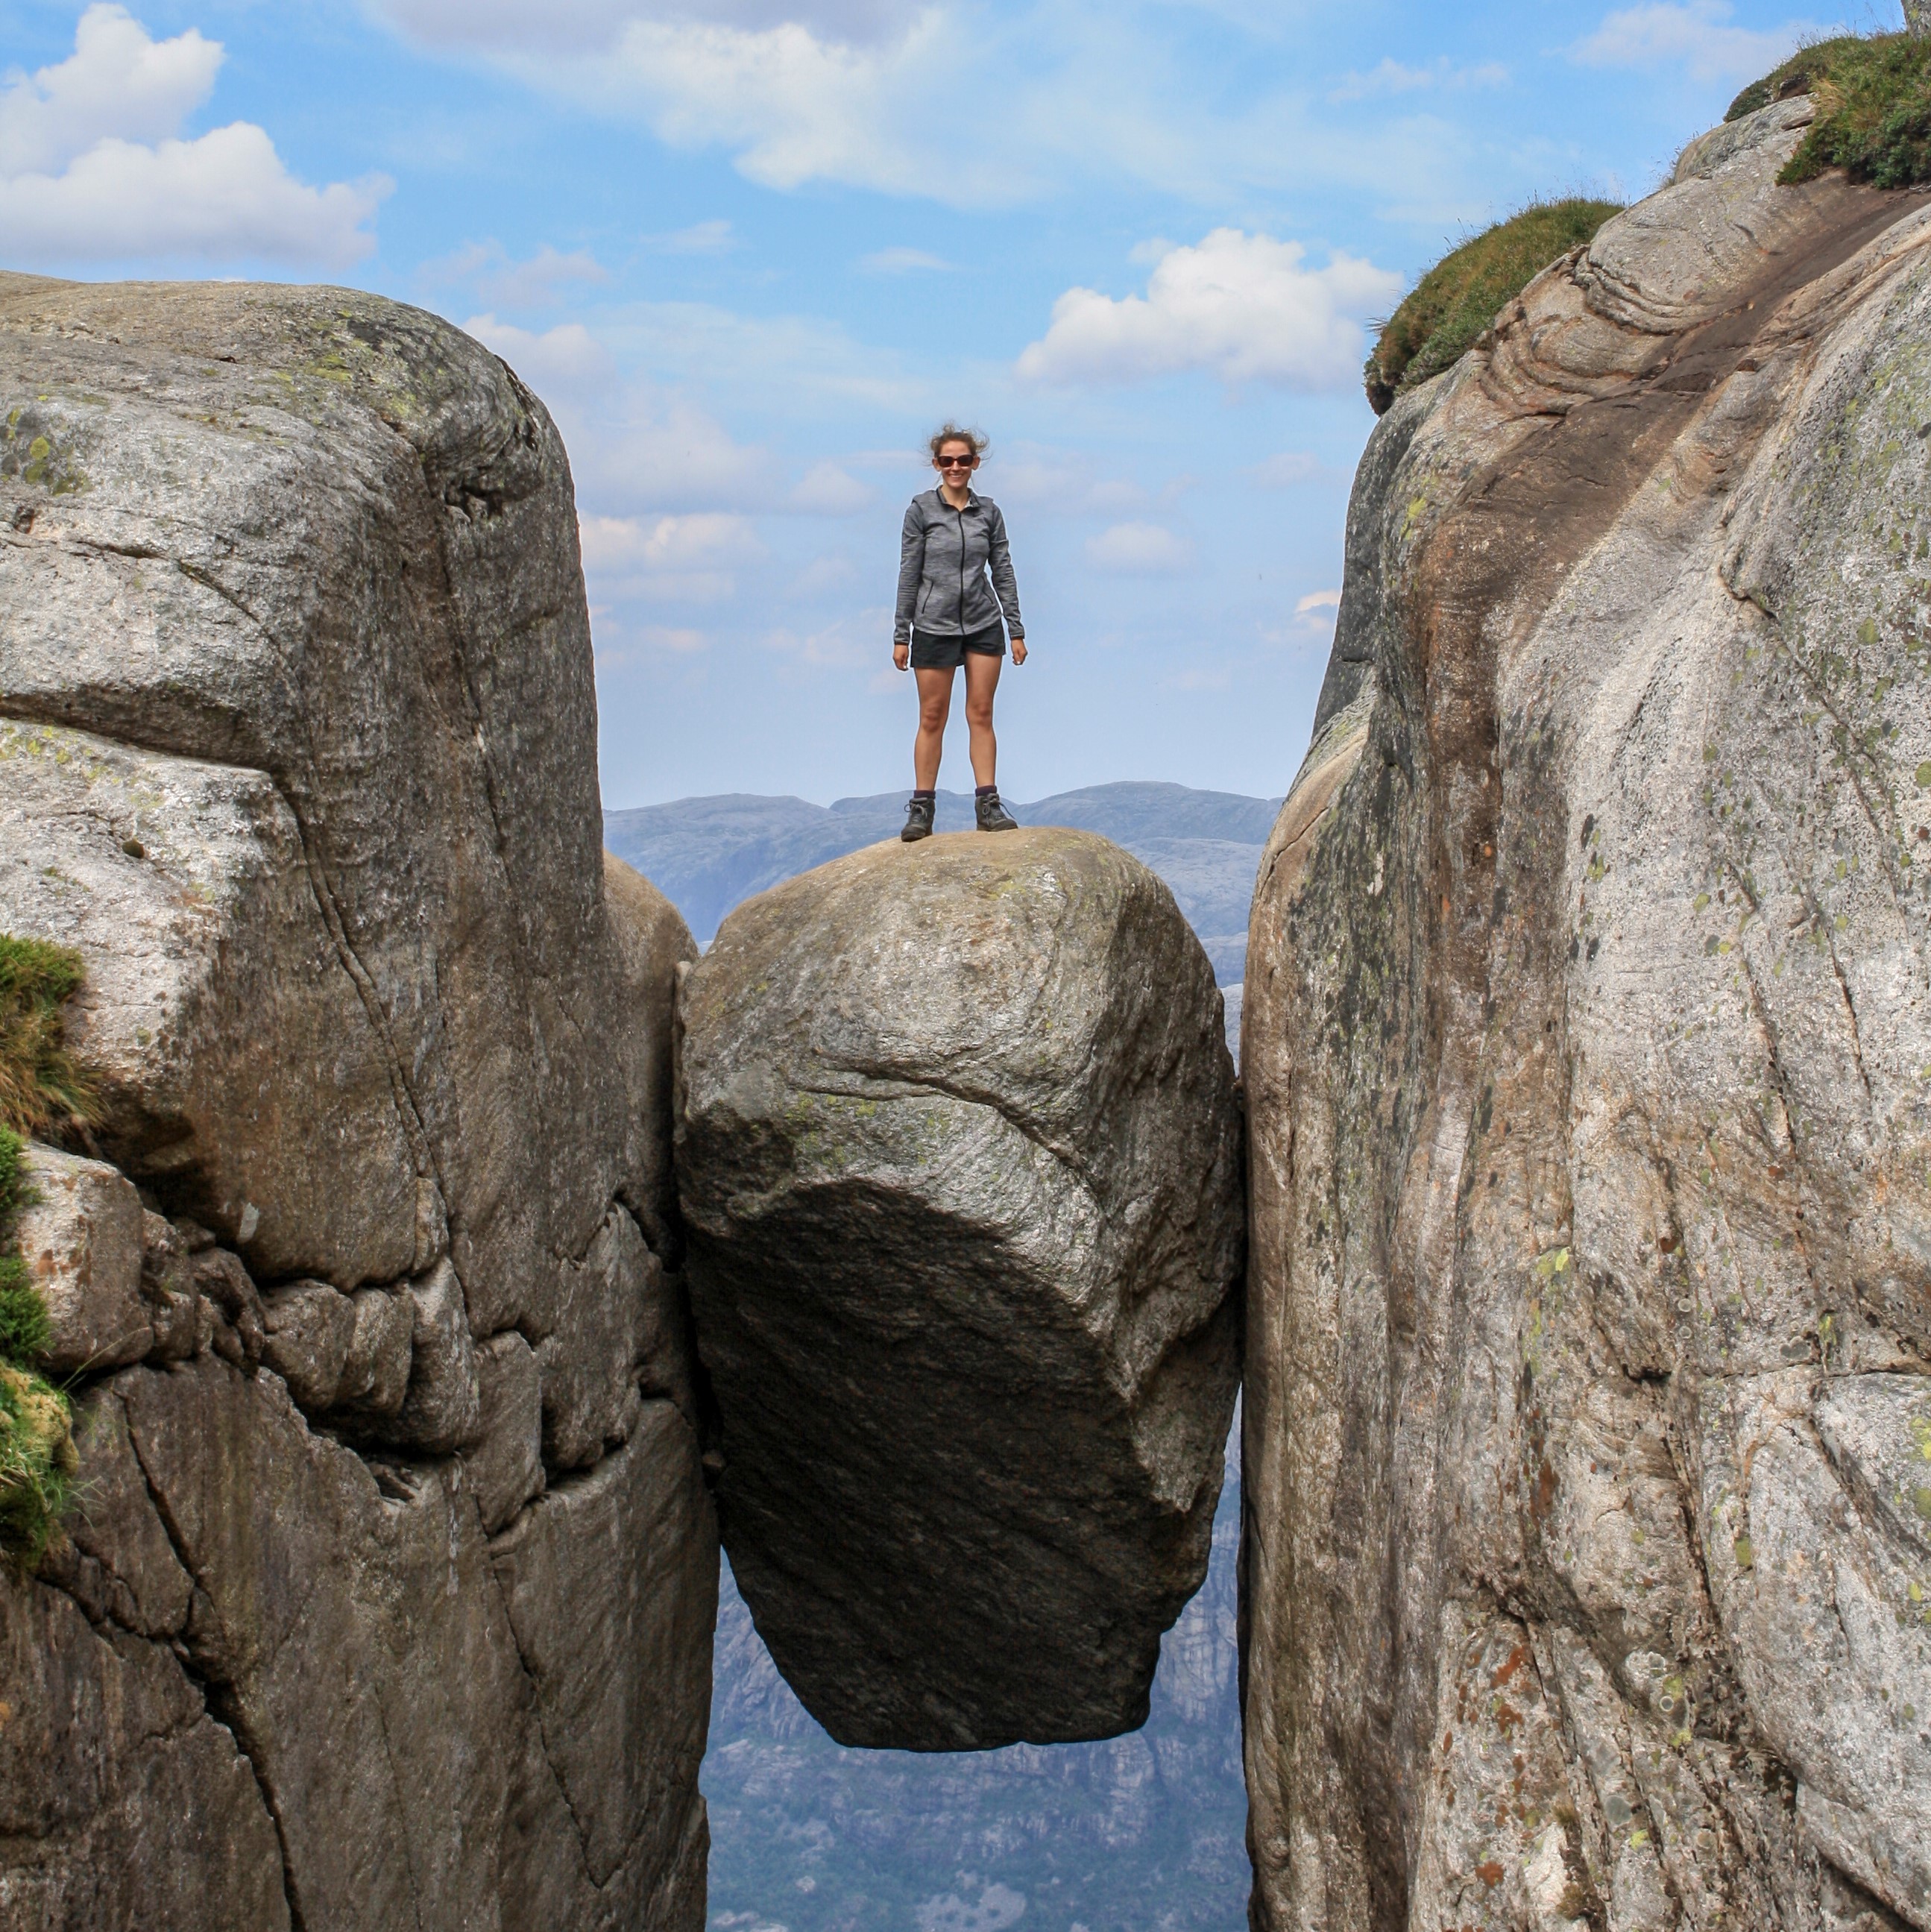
931,651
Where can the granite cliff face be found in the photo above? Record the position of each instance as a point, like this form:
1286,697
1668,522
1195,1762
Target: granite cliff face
959,1155
389,1600
1588,1054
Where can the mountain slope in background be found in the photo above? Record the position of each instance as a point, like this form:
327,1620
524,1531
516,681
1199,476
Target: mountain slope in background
709,853
1144,1833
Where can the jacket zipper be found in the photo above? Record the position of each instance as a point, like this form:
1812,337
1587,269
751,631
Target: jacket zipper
960,514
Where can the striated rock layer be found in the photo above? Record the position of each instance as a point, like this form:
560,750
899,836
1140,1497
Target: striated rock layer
959,1155
389,1601
1588,1054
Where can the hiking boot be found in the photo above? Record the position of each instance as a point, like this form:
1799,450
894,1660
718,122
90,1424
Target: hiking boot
918,819
994,816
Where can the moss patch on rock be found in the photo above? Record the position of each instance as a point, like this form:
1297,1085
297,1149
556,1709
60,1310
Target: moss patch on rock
1873,94
1460,295
41,1084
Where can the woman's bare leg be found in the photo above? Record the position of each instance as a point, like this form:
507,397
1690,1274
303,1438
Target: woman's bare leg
935,705
982,670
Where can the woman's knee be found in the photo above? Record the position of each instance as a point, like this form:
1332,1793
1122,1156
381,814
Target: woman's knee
933,712
979,712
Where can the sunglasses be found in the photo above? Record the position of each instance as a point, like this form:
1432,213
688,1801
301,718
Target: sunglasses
955,462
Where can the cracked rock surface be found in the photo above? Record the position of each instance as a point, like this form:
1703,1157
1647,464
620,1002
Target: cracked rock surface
1587,1053
389,1593
958,1153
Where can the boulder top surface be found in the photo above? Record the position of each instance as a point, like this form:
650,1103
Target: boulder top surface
965,957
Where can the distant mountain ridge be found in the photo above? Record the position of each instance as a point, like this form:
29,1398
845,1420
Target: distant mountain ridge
710,854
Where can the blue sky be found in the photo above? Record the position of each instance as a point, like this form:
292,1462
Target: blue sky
750,252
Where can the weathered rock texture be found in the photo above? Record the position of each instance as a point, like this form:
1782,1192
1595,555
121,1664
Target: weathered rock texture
1587,1057
391,1600
959,1159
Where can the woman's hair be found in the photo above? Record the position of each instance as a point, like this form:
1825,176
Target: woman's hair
951,433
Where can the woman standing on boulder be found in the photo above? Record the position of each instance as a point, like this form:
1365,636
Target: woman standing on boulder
949,615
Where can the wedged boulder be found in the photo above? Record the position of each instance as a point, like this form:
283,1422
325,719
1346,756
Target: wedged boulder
958,1153
1587,1058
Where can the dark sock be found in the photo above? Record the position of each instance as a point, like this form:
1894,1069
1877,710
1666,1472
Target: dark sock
924,794
984,791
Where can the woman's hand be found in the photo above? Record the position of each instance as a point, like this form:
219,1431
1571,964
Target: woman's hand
1018,650
901,655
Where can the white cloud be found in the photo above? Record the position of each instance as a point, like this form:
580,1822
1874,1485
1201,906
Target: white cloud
848,643
1139,550
1241,306
679,559
1319,600
849,91
486,266
633,446
701,237
796,107
93,167
834,571
667,543
116,84
1058,482
901,261
637,446
831,90
542,278
1391,77
666,638
826,491
598,25
559,364
1287,470
1696,37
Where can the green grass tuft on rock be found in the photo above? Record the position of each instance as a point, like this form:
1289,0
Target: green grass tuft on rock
37,1461
40,1084
25,1331
37,1465
1872,95
1461,295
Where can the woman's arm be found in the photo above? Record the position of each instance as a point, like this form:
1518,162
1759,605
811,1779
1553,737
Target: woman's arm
911,572
1005,586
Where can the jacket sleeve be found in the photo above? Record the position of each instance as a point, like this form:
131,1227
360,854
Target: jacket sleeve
1005,586
911,572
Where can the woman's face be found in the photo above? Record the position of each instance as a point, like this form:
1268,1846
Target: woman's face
955,462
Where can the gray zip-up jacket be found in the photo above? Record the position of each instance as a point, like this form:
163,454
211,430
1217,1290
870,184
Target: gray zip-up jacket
944,555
